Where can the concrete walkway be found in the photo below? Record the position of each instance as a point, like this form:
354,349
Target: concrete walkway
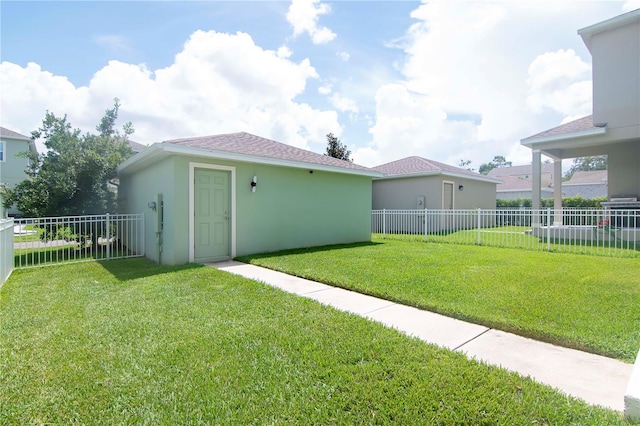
595,379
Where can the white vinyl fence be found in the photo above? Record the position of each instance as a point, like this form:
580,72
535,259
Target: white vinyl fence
6,249
585,231
54,240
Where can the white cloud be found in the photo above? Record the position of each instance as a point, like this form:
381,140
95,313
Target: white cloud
343,55
115,43
284,52
343,103
325,89
303,15
476,80
218,83
560,81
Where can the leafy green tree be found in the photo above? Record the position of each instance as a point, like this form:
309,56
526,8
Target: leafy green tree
465,165
75,175
337,149
498,161
586,164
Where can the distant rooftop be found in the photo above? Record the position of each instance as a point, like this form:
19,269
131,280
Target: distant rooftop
526,169
135,146
420,166
11,134
589,177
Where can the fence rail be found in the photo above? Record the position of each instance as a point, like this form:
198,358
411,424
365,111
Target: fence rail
6,249
587,231
54,240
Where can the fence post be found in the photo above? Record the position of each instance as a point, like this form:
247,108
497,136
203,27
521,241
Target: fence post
548,229
108,236
384,223
425,224
479,216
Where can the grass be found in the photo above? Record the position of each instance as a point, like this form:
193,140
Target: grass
517,237
583,302
130,342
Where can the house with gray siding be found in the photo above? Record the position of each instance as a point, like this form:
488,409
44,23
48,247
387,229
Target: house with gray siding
613,129
419,183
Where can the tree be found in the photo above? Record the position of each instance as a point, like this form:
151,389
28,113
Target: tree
337,149
498,161
75,175
465,165
586,164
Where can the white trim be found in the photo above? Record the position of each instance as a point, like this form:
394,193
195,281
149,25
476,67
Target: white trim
166,148
453,194
192,167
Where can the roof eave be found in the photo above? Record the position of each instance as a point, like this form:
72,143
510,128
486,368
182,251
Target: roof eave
440,172
617,21
531,141
166,148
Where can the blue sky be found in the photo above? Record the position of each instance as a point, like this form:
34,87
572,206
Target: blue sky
443,80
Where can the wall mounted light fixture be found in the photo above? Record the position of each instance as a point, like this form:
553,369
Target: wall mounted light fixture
152,205
460,187
254,183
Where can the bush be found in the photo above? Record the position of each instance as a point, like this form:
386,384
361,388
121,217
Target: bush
575,202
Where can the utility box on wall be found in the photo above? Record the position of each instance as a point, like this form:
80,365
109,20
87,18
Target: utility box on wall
420,202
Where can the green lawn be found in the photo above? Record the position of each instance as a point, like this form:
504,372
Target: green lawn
129,342
586,302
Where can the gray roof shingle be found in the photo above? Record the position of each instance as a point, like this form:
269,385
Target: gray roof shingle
248,144
526,169
11,134
576,126
589,177
418,165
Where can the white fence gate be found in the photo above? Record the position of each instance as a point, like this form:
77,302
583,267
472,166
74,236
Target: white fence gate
587,231
55,240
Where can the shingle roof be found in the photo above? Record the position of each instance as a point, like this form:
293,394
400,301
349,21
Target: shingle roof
510,183
526,169
11,134
248,144
135,146
580,125
593,177
417,165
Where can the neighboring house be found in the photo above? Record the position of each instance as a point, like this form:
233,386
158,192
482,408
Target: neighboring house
614,127
587,184
418,183
13,166
217,197
135,146
513,188
524,173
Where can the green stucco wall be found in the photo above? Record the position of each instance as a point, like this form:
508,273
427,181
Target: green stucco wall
291,207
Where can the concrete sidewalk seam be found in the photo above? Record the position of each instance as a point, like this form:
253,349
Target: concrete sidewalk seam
472,339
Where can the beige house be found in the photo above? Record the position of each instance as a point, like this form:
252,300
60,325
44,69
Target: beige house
525,173
614,127
418,183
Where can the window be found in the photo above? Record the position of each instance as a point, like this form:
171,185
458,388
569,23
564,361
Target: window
2,150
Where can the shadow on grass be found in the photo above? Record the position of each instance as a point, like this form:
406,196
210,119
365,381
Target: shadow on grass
140,267
248,258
